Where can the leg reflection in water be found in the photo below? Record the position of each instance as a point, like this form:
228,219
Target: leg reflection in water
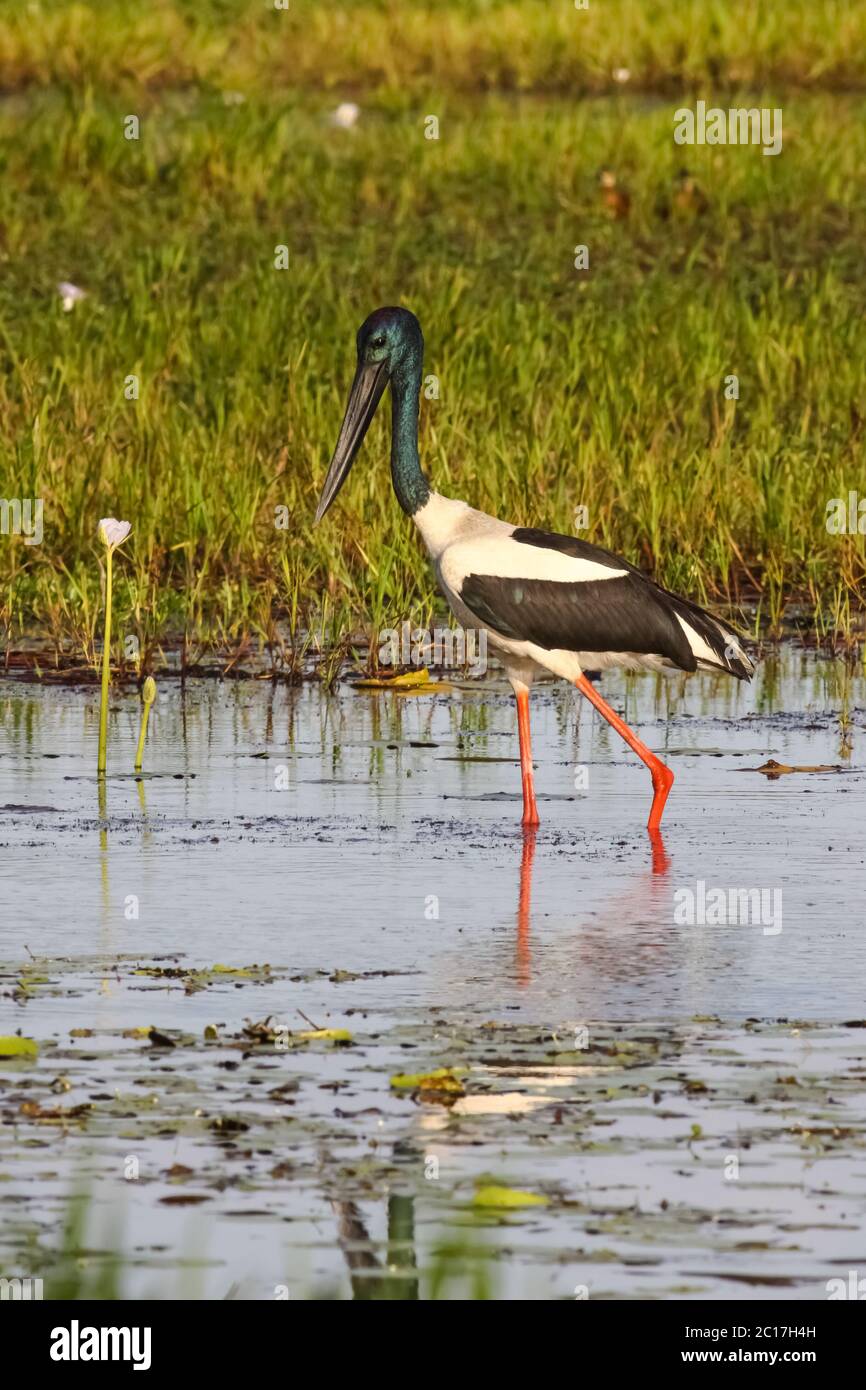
370,1279
661,860
524,904
660,865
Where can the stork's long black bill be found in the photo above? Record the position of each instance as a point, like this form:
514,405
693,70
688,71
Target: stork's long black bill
370,381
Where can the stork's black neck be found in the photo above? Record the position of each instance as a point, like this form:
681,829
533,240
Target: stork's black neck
410,484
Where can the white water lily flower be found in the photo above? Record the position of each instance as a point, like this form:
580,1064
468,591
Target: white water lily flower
621,75
346,115
113,532
70,294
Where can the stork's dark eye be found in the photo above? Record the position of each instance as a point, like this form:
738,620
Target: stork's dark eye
378,342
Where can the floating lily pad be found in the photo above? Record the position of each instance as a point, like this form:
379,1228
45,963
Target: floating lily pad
507,1198
18,1047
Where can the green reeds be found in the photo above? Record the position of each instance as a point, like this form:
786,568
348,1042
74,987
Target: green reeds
557,389
453,46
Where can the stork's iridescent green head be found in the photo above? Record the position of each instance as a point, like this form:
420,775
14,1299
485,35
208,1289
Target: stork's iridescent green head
390,348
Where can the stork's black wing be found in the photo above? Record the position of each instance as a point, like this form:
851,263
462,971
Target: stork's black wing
626,613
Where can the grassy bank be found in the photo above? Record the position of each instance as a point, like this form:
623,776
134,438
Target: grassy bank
453,45
558,388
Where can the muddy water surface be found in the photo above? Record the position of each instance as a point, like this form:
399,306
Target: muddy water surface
679,1086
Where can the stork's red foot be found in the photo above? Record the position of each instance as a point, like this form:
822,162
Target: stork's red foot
663,778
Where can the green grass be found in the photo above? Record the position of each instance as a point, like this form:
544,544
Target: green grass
557,388
455,45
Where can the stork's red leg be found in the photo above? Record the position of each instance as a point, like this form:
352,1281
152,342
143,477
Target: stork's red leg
530,810
663,778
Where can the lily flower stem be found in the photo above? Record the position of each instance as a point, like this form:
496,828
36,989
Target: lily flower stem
106,667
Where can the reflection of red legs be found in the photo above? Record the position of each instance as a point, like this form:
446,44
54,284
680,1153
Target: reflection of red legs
530,810
524,903
661,861
663,778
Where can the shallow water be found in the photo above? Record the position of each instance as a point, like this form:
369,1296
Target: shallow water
367,847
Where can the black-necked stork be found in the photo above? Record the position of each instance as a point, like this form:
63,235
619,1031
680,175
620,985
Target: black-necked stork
547,602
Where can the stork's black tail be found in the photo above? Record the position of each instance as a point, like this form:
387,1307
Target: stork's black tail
714,646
